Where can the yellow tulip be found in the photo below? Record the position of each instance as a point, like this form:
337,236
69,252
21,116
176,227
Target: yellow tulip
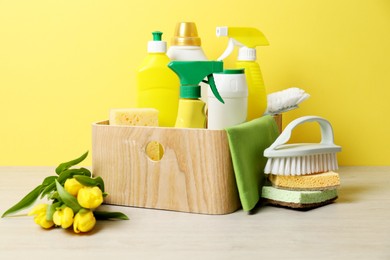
63,217
84,221
39,211
90,197
73,186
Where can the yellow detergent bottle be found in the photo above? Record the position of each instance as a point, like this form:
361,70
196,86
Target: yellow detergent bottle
157,85
248,39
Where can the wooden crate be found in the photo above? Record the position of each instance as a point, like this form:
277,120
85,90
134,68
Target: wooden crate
195,173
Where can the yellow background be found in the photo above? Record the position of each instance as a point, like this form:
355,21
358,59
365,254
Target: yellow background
64,64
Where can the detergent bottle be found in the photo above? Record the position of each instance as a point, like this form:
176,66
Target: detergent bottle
186,45
248,39
191,112
231,85
157,85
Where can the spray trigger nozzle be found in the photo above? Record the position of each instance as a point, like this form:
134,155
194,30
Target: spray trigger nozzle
191,73
211,82
242,37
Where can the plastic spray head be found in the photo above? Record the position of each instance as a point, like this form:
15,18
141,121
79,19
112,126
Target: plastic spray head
157,45
186,34
247,38
191,73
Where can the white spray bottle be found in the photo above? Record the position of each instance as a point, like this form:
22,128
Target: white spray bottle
248,39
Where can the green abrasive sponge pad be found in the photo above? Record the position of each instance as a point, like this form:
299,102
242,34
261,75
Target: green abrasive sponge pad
298,199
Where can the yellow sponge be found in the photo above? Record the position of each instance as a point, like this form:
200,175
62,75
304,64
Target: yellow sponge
134,116
319,181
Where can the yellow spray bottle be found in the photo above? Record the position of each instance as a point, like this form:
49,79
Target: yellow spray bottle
248,39
191,112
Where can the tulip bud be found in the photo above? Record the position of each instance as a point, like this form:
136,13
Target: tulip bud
40,216
73,186
84,221
90,197
63,217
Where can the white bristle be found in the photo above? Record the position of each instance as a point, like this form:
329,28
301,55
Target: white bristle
293,166
301,165
304,164
287,99
281,165
298,163
288,165
316,161
330,162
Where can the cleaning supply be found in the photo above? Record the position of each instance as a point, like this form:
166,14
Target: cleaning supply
186,45
191,112
157,85
248,39
298,199
231,85
319,181
247,142
300,159
134,116
285,100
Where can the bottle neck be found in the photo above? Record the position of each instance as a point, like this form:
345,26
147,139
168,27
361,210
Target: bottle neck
190,92
246,54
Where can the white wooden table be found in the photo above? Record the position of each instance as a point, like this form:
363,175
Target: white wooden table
356,226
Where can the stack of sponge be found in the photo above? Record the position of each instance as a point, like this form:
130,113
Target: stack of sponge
302,191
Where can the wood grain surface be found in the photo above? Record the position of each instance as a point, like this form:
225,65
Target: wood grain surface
195,173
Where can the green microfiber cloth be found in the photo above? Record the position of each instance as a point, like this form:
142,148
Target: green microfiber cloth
247,143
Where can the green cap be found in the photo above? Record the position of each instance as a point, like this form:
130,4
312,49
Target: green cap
232,71
157,45
157,36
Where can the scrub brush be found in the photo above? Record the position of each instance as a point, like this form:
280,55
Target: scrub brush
302,158
285,100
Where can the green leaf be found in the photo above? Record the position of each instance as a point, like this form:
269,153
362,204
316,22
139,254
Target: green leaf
49,180
85,172
49,188
69,173
105,215
91,182
51,209
100,183
67,198
27,201
54,196
66,165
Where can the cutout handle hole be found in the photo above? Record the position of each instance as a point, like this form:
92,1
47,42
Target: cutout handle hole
154,150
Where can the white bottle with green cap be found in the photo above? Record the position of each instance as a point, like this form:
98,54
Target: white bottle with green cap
157,85
232,86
